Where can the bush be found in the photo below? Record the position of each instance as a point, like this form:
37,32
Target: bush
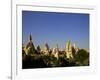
82,57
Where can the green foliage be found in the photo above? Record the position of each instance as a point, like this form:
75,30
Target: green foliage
40,60
82,57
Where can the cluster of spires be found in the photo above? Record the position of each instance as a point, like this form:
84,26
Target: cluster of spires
29,49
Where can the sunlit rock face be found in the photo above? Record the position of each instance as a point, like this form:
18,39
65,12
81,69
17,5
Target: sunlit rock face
30,49
23,52
69,50
76,48
46,49
55,52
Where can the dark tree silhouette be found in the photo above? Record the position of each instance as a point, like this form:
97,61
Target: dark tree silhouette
82,57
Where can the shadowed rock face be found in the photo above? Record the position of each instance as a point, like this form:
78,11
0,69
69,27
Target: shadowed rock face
30,43
30,46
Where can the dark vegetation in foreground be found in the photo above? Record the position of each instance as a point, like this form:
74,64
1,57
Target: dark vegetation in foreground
39,60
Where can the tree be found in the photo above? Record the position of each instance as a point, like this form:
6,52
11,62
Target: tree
82,56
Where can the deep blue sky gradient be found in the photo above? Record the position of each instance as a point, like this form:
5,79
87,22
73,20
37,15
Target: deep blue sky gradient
55,28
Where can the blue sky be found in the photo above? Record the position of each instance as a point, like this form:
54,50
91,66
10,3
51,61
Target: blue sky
55,28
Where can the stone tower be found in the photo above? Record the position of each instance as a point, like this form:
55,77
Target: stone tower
55,51
69,50
30,49
76,48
